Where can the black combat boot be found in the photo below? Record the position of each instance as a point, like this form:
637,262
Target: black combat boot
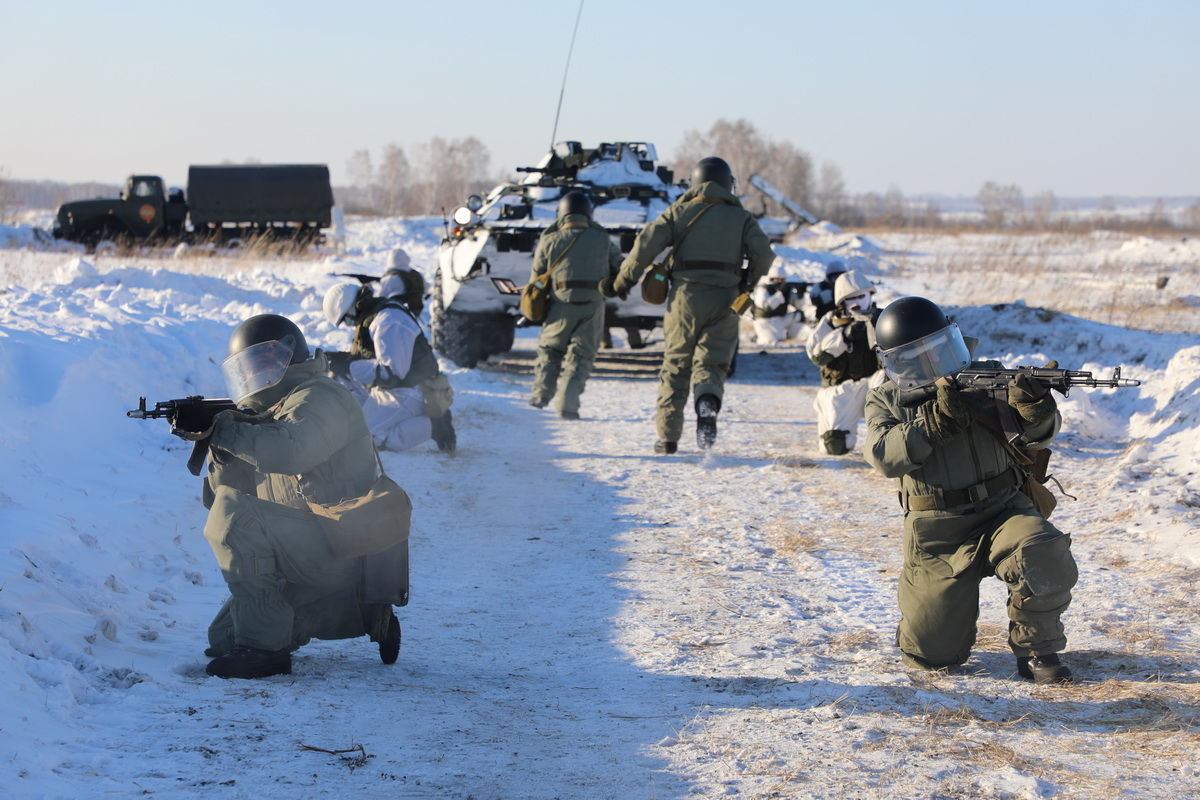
443,433
248,662
835,442
1043,669
538,402
707,407
662,448
569,414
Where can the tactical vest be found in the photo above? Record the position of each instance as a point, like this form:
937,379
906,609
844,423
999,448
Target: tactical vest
768,313
424,363
852,365
858,362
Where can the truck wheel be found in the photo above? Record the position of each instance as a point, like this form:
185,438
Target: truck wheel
467,338
450,336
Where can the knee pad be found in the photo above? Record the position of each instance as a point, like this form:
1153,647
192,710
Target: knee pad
1046,567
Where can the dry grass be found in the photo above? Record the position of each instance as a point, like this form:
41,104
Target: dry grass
1056,271
785,537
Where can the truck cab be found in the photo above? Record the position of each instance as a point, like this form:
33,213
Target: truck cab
143,210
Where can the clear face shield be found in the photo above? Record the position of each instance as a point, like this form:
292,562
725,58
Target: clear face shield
923,361
258,367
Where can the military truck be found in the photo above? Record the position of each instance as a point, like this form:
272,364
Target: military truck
490,242
223,204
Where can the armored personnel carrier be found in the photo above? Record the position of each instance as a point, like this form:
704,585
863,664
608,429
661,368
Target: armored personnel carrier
490,242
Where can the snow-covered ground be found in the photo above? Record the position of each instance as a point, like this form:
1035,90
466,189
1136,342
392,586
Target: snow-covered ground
588,619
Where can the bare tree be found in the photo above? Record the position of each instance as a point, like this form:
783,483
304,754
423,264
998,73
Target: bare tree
1000,203
830,193
450,170
748,152
1043,206
392,180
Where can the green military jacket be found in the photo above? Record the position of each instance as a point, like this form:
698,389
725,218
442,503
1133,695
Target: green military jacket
310,442
590,260
898,447
713,250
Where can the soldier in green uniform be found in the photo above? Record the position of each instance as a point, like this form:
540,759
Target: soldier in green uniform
965,516
711,234
581,255
307,441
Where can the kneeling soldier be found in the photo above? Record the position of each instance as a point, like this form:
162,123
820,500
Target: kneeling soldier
965,516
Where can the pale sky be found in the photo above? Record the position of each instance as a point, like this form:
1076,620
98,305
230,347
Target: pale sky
1080,97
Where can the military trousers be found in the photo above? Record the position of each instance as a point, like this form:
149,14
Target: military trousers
701,335
947,554
285,585
567,346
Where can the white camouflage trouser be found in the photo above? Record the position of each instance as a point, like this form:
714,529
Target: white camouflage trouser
840,407
773,330
396,417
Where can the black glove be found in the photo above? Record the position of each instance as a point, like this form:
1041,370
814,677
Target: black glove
949,413
1032,398
856,331
192,423
339,362
608,287
772,288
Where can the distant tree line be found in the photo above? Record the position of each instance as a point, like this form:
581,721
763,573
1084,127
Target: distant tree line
440,175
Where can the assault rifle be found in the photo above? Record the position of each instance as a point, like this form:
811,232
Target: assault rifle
187,415
994,381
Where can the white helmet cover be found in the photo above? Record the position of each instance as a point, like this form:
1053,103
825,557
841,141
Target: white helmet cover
339,302
398,259
851,283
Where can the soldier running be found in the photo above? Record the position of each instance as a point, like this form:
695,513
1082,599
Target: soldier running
714,233
581,254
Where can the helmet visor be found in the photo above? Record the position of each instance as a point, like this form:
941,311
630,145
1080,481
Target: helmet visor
257,367
923,361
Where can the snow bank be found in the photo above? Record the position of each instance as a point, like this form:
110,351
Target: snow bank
13,236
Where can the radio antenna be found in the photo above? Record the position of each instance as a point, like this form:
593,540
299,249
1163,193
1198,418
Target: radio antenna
563,88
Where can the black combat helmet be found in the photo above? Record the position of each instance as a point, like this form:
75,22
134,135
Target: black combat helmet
260,351
269,328
575,203
713,169
906,320
917,343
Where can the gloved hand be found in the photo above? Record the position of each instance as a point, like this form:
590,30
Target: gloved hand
192,423
1031,398
772,288
949,413
193,436
339,362
856,331
608,287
